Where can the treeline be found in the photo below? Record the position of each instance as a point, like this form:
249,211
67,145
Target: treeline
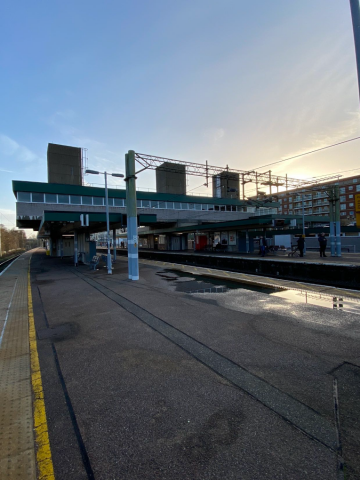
11,240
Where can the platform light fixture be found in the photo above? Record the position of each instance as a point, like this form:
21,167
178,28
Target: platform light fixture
119,175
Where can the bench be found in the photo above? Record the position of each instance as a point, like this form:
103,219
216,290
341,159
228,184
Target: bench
214,249
94,262
276,249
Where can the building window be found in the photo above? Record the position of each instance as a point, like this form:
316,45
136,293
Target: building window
352,213
343,198
118,202
138,203
162,204
351,187
63,198
343,206
38,197
98,201
351,196
198,206
52,197
358,188
146,203
351,205
86,200
342,190
75,199
355,180
23,197
343,214
170,205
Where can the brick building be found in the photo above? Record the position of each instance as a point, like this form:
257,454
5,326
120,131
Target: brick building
316,200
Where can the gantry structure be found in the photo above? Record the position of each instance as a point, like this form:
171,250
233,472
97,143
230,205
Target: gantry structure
266,179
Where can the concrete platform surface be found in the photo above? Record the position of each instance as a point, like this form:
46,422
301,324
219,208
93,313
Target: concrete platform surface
17,441
144,380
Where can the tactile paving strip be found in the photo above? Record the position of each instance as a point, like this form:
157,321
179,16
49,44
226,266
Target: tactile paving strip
17,448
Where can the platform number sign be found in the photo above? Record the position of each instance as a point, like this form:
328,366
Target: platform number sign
357,209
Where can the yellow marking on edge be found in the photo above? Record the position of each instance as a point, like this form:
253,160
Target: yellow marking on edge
43,451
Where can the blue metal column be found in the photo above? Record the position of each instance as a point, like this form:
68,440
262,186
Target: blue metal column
332,224
132,237
75,249
108,258
337,221
303,221
114,244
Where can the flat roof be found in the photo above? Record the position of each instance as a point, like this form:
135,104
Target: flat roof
42,187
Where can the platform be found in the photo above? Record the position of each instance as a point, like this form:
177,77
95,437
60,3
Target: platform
144,380
343,272
17,442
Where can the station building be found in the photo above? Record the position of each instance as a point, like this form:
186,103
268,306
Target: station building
66,213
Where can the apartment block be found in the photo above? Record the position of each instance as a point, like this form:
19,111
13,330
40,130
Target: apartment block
316,199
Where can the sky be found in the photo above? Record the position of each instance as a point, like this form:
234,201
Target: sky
233,82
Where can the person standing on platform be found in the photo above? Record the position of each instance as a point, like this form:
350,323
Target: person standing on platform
301,245
322,243
263,246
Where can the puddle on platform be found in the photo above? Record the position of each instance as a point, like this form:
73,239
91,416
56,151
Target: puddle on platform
200,284
191,283
320,300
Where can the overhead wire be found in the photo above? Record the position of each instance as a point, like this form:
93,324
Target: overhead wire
10,222
308,153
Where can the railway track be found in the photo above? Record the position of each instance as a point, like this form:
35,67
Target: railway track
7,262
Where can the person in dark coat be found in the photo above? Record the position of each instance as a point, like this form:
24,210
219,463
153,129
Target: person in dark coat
322,244
263,246
301,245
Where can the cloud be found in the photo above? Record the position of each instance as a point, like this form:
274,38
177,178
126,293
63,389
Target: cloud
16,152
60,121
88,143
215,135
343,131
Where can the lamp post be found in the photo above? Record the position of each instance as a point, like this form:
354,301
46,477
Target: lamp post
120,175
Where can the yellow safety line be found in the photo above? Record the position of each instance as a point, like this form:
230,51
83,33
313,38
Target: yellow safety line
43,451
